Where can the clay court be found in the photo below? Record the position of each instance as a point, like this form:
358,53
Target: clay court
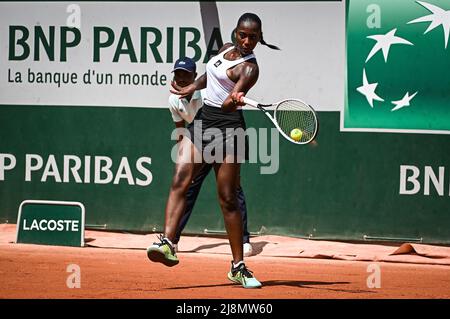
115,265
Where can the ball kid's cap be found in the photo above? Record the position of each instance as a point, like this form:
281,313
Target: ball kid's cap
186,64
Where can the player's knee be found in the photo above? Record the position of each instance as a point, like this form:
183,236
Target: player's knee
228,201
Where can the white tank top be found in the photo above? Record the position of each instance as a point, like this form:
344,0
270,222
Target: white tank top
219,85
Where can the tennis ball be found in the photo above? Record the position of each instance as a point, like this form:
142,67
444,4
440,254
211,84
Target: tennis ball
296,134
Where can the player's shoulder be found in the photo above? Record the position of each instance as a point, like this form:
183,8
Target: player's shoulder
253,61
226,46
250,68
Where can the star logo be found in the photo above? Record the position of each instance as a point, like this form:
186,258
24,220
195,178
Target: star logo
403,102
384,42
368,90
438,17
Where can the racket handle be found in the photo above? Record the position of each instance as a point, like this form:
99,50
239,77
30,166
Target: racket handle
250,101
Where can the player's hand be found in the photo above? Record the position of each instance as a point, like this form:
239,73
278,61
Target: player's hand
182,91
237,98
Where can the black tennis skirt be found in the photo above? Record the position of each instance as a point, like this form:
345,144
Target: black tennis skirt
216,133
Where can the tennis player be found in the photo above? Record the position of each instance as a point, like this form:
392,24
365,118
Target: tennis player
183,111
229,76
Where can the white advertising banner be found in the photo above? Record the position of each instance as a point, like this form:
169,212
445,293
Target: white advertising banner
121,53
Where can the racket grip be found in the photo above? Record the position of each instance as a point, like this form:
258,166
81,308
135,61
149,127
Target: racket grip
250,101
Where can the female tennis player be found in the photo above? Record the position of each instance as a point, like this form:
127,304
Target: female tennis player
183,111
229,76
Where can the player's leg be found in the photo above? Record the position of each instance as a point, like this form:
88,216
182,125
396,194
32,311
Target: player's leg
227,175
185,169
191,197
248,250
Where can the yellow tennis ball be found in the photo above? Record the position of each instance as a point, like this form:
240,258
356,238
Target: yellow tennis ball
296,134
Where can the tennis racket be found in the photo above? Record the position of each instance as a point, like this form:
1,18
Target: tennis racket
290,115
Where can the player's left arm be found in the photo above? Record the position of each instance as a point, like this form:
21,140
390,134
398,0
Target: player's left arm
247,77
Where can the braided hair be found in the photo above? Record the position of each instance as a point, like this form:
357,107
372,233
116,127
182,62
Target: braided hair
254,18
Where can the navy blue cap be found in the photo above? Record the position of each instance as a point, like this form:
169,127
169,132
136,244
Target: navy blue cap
186,64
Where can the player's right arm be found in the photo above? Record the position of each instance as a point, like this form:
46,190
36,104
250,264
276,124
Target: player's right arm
198,84
184,91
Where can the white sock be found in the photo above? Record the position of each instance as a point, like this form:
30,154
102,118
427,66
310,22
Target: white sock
238,264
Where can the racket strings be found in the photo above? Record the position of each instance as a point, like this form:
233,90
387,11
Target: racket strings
294,114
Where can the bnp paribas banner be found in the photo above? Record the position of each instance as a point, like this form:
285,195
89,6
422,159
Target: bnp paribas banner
122,53
398,62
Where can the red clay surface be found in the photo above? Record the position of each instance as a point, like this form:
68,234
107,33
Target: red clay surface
36,271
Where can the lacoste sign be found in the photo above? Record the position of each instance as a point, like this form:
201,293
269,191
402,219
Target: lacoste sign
51,223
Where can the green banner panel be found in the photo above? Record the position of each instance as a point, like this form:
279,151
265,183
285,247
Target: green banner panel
397,66
344,186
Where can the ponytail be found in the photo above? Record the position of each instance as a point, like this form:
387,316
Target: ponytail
274,47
